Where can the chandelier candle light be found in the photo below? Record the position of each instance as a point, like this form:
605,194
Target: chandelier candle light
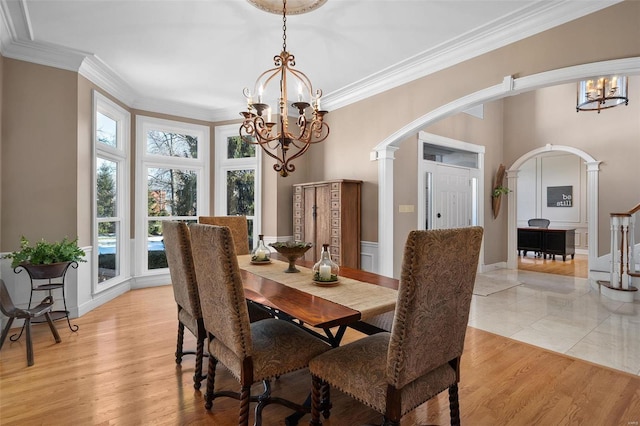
281,139
601,93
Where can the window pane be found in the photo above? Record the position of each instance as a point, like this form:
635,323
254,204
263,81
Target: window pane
108,256
156,256
172,144
107,186
240,189
107,130
237,148
172,192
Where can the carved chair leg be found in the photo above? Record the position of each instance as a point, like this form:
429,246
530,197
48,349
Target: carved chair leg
245,396
180,342
454,408
316,384
211,377
325,402
197,376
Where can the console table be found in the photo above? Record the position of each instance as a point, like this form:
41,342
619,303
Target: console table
548,241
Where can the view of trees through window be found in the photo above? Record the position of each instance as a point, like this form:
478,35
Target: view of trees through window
171,191
241,183
110,160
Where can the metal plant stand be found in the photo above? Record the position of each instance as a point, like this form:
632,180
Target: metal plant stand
54,274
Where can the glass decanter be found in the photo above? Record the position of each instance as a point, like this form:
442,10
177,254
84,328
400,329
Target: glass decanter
326,270
261,253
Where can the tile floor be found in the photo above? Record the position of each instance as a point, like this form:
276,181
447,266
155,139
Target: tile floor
562,314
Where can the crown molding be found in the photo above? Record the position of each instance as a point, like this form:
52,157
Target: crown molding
98,72
522,23
16,41
181,109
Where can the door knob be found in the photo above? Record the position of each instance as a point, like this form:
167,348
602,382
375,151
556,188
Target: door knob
439,215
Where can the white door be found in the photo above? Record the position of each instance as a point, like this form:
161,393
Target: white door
452,201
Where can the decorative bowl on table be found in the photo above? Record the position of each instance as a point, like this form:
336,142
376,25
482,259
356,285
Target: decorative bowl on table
292,251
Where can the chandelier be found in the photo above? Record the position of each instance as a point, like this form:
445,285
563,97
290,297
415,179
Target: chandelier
282,137
602,93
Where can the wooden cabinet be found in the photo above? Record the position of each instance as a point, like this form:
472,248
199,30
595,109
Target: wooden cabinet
329,213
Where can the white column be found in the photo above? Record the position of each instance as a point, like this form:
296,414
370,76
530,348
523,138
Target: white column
593,167
512,220
385,159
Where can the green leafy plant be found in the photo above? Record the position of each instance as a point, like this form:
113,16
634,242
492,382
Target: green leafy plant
500,190
45,253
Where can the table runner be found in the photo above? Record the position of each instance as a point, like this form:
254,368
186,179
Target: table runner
368,299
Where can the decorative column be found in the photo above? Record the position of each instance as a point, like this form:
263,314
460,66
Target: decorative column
593,169
385,159
512,219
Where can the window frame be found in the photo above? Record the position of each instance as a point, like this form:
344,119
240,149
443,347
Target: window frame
144,161
120,155
224,164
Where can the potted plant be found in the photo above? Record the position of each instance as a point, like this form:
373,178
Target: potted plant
45,259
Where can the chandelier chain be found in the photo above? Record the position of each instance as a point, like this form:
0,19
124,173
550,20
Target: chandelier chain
284,25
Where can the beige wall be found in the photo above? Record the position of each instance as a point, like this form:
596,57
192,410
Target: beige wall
571,44
46,132
39,153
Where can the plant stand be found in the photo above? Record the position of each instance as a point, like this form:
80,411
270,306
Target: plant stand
54,274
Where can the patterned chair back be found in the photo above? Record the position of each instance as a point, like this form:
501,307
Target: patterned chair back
434,297
238,226
224,306
177,243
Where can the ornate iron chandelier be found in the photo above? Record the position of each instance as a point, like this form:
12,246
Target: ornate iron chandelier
601,93
285,138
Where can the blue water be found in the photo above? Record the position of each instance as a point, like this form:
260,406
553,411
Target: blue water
110,246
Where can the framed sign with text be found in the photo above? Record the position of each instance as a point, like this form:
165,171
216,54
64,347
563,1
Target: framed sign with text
560,196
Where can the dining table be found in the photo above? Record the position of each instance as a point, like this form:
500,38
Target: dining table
323,310
356,297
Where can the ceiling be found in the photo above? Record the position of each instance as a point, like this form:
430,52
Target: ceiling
194,57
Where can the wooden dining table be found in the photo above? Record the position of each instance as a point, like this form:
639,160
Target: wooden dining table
294,297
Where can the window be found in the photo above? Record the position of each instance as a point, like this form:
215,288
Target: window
171,182
238,189
111,182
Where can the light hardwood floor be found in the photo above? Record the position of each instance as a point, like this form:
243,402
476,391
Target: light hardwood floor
577,267
119,369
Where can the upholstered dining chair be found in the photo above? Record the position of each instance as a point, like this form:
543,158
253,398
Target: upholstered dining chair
395,372
177,244
239,229
10,310
252,352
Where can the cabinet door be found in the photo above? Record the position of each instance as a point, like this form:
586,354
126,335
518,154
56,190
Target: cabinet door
309,202
323,219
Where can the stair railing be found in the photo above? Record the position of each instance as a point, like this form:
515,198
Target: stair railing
623,265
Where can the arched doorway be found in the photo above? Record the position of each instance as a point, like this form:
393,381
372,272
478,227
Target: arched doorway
383,153
593,167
